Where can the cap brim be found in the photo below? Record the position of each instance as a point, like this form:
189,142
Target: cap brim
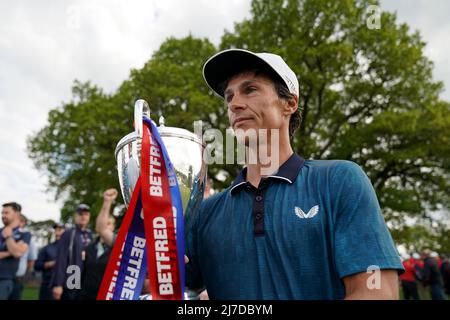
225,64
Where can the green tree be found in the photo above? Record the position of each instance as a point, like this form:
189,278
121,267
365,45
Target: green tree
76,147
366,95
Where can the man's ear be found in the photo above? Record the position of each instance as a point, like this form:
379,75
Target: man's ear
291,106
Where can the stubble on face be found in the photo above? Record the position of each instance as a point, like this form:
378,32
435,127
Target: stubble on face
9,216
254,108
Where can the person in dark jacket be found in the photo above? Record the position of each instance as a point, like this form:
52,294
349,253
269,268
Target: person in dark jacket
445,270
432,276
46,263
98,252
14,243
66,282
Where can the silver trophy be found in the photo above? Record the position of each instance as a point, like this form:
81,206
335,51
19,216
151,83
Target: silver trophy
185,151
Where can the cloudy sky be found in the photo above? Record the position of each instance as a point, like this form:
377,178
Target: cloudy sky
45,45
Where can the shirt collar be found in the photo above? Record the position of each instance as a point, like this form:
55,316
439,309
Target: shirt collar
287,172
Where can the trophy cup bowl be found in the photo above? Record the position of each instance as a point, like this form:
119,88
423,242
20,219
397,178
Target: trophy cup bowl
185,151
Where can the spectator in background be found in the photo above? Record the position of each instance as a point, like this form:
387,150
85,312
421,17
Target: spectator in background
13,245
26,263
418,265
98,252
102,224
208,189
408,280
432,276
445,271
46,263
71,252
104,228
436,257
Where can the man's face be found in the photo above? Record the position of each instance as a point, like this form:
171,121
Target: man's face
82,218
9,216
59,232
254,104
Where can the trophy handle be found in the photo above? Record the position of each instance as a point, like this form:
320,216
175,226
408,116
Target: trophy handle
141,108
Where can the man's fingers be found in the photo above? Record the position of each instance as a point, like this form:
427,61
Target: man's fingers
186,260
57,292
111,193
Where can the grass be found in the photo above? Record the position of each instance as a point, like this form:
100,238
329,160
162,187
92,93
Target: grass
30,293
424,293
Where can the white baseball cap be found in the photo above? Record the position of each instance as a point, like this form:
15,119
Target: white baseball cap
227,63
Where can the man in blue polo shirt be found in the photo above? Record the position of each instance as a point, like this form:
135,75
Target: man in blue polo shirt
13,245
309,229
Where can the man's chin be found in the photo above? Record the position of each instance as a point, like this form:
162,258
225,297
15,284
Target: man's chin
246,135
246,141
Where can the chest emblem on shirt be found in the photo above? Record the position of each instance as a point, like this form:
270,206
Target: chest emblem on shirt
311,213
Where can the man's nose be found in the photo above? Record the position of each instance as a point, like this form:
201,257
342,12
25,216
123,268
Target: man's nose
236,103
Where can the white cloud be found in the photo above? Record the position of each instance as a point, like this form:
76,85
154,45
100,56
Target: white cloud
431,20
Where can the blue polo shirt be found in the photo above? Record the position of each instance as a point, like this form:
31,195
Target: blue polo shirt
10,265
296,236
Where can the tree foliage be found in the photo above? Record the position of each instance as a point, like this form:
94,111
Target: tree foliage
366,95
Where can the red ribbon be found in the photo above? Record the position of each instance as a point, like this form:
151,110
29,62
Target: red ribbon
107,286
159,222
